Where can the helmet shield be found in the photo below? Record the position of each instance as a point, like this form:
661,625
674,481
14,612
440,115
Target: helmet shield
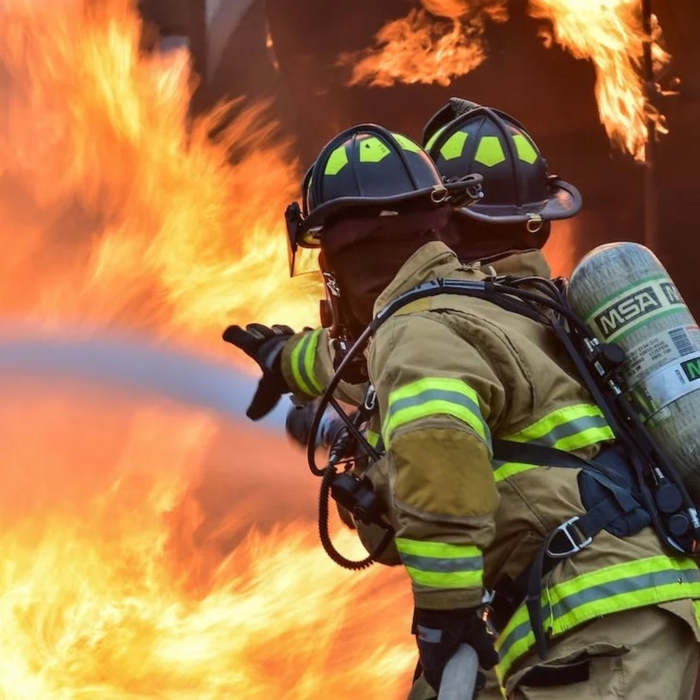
302,258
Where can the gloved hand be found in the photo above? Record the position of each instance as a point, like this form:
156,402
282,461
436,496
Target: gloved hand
264,345
440,632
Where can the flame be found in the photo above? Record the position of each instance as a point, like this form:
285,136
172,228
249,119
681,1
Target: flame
610,34
122,210
444,40
127,570
421,49
124,581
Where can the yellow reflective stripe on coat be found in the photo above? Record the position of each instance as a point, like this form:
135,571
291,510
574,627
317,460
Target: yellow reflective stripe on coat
435,396
375,440
441,564
302,360
504,470
605,591
568,428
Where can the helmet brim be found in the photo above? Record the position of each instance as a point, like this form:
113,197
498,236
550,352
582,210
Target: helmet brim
563,202
308,233
304,233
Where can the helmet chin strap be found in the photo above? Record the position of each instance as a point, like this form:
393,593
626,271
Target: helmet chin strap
340,331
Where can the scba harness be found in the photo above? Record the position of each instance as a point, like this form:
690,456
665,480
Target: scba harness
627,487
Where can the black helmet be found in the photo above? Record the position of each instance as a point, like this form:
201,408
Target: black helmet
372,171
464,137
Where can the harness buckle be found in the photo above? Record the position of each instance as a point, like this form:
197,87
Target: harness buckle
572,535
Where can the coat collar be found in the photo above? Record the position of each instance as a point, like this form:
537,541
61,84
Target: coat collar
435,260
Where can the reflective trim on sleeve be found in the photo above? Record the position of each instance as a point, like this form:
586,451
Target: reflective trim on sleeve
440,564
375,440
569,428
504,470
605,591
302,360
434,396
696,608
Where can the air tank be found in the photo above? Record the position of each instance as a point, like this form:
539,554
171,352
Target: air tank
626,297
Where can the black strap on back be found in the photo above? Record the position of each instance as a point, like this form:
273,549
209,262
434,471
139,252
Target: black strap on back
565,540
543,456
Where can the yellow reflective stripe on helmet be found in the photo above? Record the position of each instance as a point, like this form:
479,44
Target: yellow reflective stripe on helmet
337,160
406,143
608,590
373,150
568,428
453,147
504,470
490,152
434,396
302,360
434,138
441,564
526,151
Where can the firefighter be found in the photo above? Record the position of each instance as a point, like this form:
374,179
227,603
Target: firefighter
452,373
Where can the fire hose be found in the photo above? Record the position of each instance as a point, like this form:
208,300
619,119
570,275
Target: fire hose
459,677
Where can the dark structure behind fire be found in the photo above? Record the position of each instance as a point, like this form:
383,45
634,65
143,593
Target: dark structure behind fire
287,51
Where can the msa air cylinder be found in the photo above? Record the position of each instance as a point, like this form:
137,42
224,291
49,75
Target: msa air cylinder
625,296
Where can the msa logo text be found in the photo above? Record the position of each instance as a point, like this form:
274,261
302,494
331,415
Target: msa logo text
627,310
692,369
671,293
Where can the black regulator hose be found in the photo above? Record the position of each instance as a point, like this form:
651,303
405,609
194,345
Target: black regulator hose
329,473
327,398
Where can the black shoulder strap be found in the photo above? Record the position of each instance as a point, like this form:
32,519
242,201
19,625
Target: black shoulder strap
529,453
541,455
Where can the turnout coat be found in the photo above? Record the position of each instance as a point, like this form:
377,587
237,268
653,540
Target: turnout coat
451,373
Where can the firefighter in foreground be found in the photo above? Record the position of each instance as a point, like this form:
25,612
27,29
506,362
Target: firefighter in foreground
451,373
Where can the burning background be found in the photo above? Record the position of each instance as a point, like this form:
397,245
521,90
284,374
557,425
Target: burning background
154,544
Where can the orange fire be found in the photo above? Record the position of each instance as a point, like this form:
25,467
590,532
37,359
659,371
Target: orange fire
129,577
120,213
126,570
444,39
419,48
610,34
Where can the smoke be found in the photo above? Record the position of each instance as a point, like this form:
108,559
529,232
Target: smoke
126,363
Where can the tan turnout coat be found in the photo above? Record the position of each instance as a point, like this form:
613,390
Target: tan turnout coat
450,373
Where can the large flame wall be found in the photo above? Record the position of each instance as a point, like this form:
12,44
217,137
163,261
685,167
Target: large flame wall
130,568
118,212
127,570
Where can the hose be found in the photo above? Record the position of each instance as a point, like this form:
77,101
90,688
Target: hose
353,565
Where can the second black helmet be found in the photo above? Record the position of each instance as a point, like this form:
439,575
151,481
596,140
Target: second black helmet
464,137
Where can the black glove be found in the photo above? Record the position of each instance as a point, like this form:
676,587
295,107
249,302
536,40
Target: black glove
440,632
264,345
